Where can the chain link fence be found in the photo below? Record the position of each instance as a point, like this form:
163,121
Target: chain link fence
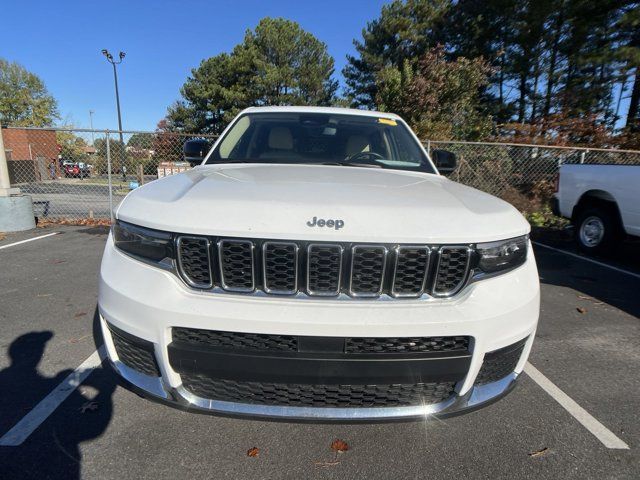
75,174
524,175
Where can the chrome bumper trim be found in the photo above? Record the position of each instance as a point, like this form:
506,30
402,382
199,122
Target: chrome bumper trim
149,385
179,397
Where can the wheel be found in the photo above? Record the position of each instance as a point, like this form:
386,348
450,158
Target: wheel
596,229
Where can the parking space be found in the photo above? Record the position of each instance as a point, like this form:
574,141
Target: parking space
588,346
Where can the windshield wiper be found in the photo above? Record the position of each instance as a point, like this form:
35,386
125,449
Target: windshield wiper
332,162
351,164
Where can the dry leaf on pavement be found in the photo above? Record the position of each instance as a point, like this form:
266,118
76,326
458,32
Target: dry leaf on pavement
339,446
89,407
253,452
581,310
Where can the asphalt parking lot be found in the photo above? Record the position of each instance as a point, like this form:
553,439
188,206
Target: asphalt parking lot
587,346
72,197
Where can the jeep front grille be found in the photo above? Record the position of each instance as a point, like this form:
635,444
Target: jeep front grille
410,271
280,267
453,265
237,272
194,261
323,269
368,263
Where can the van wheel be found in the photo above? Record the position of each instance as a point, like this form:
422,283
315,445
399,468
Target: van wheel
596,230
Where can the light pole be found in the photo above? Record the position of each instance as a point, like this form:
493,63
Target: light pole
93,140
113,62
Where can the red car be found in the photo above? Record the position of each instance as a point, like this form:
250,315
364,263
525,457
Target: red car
71,170
75,170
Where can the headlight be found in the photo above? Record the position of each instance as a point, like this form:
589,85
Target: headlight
144,243
502,255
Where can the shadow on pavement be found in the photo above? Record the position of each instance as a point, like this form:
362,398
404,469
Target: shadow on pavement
53,449
594,281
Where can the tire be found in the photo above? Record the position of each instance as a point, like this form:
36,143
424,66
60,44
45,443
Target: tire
597,229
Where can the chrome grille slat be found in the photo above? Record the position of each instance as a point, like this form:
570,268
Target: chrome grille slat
410,271
237,270
324,269
280,267
452,270
194,260
368,265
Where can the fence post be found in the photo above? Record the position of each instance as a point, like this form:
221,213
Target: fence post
429,147
582,154
109,176
5,183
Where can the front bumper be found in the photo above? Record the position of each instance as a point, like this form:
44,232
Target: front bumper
146,303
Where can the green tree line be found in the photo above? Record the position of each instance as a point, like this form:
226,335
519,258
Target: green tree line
546,71
556,65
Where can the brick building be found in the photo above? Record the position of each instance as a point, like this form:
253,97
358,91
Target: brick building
29,153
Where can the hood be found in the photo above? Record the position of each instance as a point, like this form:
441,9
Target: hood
281,201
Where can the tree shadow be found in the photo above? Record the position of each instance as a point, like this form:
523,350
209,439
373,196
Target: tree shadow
53,449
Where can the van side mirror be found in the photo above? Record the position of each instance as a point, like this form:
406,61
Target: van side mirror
445,161
195,151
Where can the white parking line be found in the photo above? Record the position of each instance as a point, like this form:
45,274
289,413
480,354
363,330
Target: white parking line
28,240
587,259
25,427
602,433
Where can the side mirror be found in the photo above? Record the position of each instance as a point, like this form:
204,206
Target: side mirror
195,151
445,161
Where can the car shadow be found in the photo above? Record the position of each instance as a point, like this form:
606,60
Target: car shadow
594,282
53,449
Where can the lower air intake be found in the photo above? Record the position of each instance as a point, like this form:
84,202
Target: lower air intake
300,395
134,352
500,363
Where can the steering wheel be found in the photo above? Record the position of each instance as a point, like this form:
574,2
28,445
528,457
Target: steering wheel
365,156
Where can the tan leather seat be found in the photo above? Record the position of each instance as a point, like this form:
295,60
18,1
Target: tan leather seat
357,144
280,143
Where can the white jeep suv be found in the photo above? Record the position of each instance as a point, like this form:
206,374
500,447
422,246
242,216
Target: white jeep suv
317,266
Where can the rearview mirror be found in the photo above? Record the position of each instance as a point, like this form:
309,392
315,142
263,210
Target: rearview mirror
195,151
445,161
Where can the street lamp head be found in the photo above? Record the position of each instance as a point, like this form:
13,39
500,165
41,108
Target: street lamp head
122,54
106,53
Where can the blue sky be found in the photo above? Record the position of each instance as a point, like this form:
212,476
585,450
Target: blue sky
163,40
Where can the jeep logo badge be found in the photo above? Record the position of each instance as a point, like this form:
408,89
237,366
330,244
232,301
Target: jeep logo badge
321,222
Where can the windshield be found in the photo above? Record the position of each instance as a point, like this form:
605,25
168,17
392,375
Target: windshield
321,138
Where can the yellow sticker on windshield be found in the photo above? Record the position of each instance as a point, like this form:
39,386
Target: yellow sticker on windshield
387,121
